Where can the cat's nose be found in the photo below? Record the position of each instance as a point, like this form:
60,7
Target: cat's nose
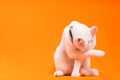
80,41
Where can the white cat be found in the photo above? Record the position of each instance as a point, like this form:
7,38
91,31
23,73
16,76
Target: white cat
72,56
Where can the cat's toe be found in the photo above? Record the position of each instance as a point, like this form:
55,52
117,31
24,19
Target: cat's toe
101,53
75,74
58,73
95,72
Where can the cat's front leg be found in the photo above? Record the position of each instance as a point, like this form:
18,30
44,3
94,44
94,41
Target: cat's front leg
95,53
76,69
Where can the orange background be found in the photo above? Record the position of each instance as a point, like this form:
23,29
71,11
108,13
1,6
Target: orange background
31,30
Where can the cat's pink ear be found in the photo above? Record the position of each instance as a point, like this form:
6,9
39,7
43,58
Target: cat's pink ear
93,30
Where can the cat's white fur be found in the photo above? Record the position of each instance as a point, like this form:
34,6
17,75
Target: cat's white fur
72,56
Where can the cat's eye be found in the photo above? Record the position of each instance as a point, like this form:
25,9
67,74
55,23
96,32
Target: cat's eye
90,41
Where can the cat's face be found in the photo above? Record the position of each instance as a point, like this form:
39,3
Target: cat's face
83,37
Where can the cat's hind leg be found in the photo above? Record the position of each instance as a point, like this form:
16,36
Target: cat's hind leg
62,69
89,72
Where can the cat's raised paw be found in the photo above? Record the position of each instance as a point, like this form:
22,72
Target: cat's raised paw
58,73
100,53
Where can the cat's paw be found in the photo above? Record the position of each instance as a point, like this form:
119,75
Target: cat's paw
58,73
95,72
89,72
100,53
74,74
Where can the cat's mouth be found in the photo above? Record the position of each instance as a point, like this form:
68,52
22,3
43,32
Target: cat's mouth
82,48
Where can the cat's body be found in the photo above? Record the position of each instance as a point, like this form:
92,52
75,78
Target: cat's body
72,56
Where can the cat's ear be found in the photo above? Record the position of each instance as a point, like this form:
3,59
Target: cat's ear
93,30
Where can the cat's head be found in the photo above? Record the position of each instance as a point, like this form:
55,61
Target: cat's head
83,38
